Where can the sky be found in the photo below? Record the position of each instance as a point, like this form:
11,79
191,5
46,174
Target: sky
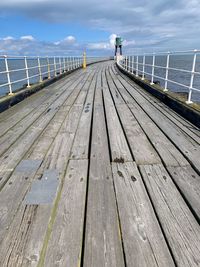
69,27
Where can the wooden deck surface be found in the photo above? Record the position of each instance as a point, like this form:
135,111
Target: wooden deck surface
95,172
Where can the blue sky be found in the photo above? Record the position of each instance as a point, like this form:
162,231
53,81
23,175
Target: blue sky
71,26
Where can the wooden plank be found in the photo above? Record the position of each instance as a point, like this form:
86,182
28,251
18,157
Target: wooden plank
170,155
13,134
166,150
142,149
144,243
19,234
119,148
103,245
65,244
178,223
98,92
188,147
13,155
81,141
15,114
188,182
181,122
15,190
114,91
57,157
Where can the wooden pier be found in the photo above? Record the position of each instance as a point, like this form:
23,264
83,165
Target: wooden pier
96,172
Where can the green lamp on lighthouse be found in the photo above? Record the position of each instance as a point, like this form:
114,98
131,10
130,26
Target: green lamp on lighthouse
118,44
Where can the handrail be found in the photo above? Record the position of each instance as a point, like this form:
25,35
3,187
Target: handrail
137,65
32,69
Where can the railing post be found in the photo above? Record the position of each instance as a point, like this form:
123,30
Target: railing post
79,62
129,63
123,63
60,63
69,63
72,63
153,69
39,70
55,66
137,67
48,67
8,75
27,72
68,67
132,64
126,63
167,72
143,67
189,101
64,60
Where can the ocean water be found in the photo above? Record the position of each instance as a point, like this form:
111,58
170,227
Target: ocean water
184,62
14,64
176,61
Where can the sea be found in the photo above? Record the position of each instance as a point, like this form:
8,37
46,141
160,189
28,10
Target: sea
176,61
14,64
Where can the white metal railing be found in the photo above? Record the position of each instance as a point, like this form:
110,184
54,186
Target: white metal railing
180,68
22,71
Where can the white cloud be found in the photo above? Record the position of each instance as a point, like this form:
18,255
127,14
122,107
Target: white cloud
70,39
163,22
112,39
8,38
27,38
67,40
25,46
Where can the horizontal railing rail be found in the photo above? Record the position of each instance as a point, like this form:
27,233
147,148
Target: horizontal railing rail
176,71
18,72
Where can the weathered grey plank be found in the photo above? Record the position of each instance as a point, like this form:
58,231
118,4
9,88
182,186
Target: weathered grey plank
28,217
57,157
119,148
12,195
182,123
12,116
81,141
143,151
144,243
103,245
113,85
167,151
170,155
13,155
179,225
187,146
188,182
65,244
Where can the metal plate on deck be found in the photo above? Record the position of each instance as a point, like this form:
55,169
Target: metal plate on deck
28,165
43,191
